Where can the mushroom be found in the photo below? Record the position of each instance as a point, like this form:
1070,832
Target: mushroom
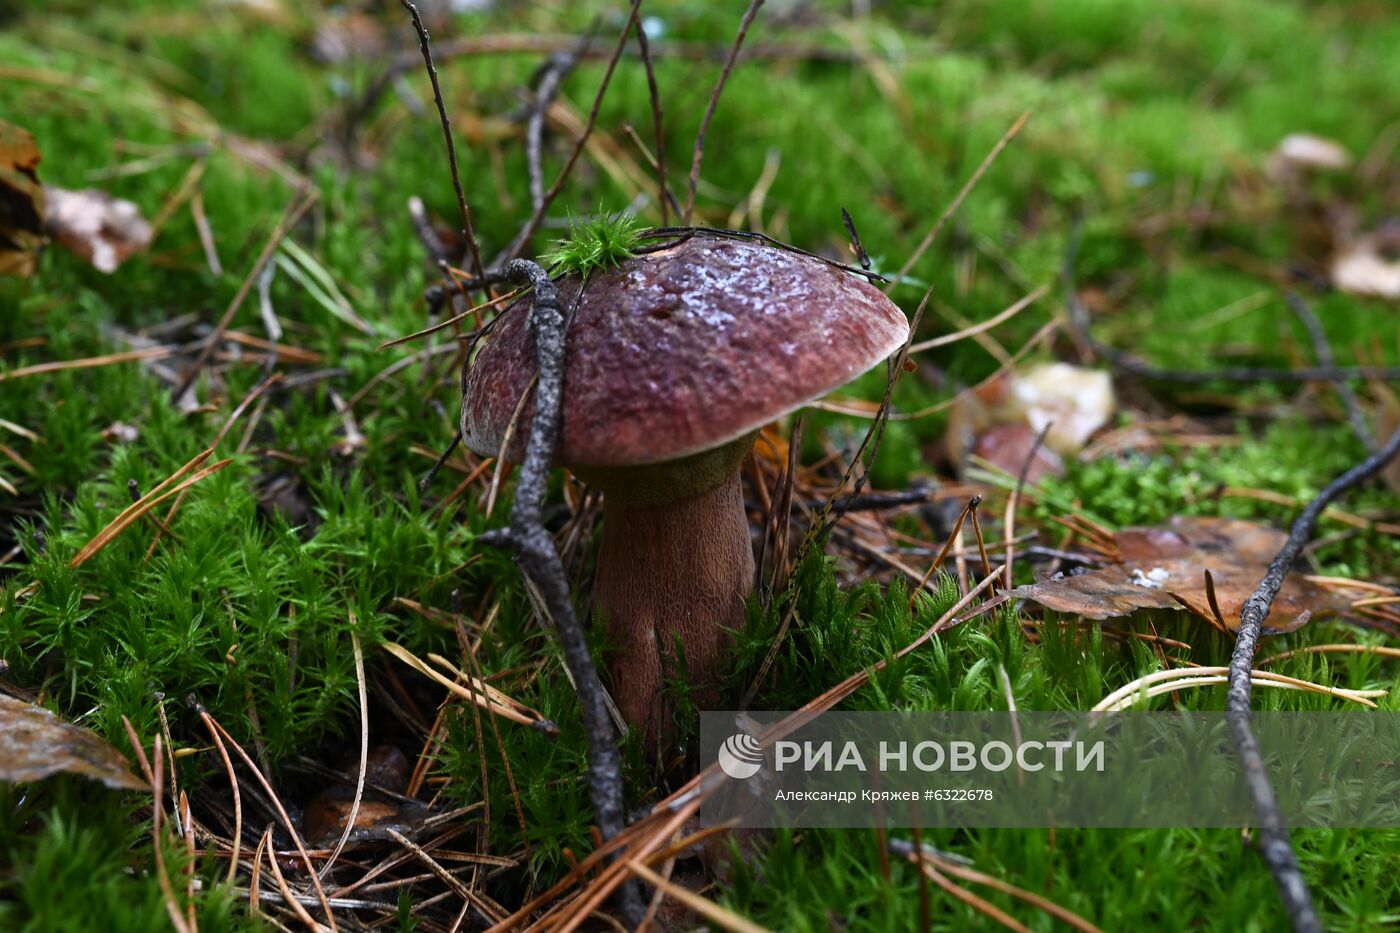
675,359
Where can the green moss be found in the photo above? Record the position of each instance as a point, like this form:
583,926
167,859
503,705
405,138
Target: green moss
1151,122
593,244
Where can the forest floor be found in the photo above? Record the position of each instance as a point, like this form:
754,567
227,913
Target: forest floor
1145,189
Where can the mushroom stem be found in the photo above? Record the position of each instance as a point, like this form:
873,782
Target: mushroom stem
672,573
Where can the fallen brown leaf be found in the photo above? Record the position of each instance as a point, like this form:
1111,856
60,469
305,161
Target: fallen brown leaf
35,744
386,769
327,815
21,202
1009,446
95,226
1165,567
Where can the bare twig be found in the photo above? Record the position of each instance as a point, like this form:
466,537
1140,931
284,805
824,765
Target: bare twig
1273,835
549,78
699,153
154,778
276,803
468,232
364,750
981,326
537,215
977,532
443,325
206,235
1079,322
1326,358
644,45
539,560
924,855
423,226
953,536
488,910
952,208
149,354
304,198
1015,498
825,521
834,510
857,247
683,233
237,798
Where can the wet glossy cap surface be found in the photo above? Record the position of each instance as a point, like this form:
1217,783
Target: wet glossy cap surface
682,350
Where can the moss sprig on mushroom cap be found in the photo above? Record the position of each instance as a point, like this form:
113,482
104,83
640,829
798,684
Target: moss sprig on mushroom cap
593,244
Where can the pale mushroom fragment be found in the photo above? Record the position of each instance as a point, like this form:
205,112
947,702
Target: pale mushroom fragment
675,359
1302,152
1000,421
1370,265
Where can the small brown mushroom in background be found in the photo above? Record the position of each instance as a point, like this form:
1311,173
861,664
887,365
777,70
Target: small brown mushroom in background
675,360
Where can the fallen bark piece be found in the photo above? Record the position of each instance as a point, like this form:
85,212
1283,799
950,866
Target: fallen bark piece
35,744
1165,567
95,226
326,816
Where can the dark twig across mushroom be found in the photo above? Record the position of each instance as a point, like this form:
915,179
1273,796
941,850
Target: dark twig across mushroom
535,548
1273,835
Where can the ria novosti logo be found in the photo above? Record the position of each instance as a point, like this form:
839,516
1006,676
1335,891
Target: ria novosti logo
740,756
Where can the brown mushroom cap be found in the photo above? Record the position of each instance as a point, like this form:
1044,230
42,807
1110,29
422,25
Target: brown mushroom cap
679,351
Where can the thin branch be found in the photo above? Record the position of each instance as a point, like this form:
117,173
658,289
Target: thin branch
304,198
443,325
1009,521
537,215
237,798
857,247
1325,357
644,45
952,208
549,78
276,803
364,751
835,509
699,154
1273,835
684,233
427,235
1079,323
982,327
468,231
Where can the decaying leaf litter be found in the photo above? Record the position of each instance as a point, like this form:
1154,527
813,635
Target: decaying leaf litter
893,533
